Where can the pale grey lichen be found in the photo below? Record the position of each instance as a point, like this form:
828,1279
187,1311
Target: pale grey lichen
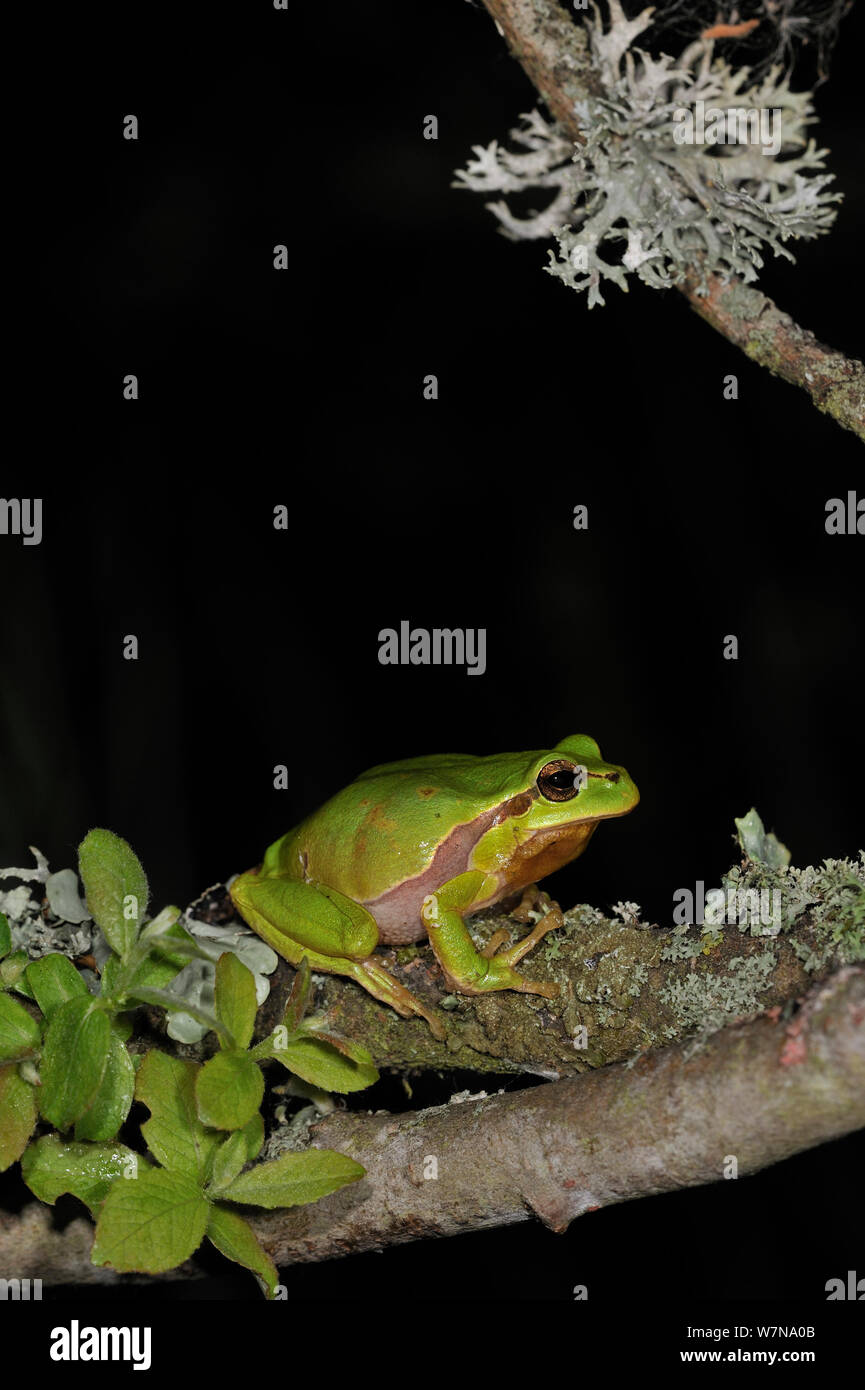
63,891
708,1001
49,917
582,916
628,912
680,944
632,200
758,844
639,976
196,981
831,896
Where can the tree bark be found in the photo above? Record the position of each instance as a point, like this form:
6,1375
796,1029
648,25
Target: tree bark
552,50
623,989
748,1096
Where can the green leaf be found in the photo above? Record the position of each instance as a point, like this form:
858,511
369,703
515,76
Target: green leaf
299,997
19,1033
253,1133
174,1133
159,953
17,1115
121,1025
228,1090
74,1058
164,999
51,1167
318,1028
317,1061
236,1005
111,1104
228,1160
5,935
111,980
54,979
116,887
293,1179
155,971
165,960
12,973
161,924
235,1239
152,1224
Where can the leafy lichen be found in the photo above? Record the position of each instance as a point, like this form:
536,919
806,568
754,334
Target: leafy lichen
638,198
758,843
708,1001
680,945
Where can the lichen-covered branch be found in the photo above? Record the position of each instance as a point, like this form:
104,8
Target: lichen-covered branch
750,320
625,985
751,1095
687,217
739,1035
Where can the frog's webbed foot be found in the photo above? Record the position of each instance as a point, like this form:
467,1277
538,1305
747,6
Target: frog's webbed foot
510,957
551,922
382,985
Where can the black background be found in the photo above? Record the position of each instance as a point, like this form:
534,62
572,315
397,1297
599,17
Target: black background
304,388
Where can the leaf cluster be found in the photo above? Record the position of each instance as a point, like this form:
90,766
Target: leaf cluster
65,1064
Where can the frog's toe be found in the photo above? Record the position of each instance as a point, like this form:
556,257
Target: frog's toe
513,954
548,988
497,939
382,985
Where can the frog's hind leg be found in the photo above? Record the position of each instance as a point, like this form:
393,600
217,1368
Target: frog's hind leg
336,934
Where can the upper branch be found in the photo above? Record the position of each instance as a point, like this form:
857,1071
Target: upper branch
553,52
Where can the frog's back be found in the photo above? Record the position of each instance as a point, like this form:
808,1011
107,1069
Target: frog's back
385,826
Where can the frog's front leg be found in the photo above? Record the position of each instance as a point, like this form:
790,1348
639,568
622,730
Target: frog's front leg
336,935
467,969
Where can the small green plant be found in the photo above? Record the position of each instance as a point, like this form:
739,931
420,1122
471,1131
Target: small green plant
64,1063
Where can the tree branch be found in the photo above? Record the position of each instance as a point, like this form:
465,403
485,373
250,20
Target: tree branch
754,1093
667,1051
553,52
624,987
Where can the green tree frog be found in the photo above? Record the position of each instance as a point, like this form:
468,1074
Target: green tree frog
409,848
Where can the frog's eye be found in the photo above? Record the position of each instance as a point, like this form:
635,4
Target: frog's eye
558,781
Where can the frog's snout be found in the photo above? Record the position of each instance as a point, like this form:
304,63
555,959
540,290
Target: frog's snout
622,789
